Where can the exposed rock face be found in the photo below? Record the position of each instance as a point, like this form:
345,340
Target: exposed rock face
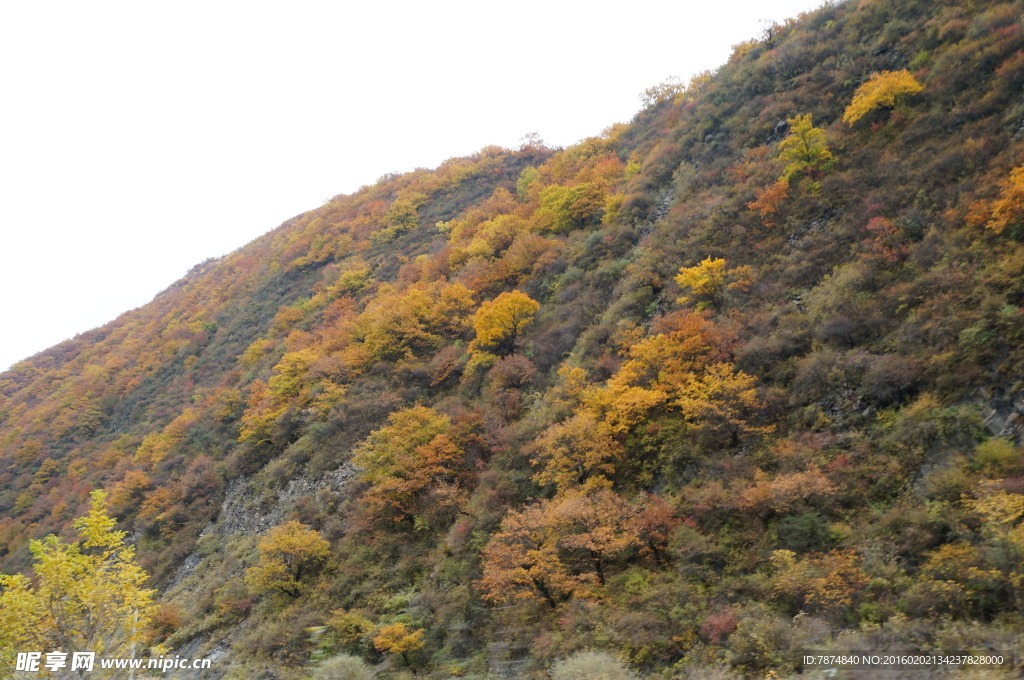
246,511
1003,414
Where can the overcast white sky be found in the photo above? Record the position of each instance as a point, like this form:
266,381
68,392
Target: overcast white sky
139,138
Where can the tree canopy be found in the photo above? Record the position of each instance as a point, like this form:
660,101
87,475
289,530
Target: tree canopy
84,596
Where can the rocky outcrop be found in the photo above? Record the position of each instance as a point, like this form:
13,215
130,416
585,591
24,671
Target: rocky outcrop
248,511
1003,413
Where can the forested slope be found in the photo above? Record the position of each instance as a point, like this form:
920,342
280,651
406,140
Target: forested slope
741,377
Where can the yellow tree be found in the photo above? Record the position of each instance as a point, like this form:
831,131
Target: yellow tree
804,149
421,483
399,324
499,322
705,280
397,638
709,279
403,212
1002,526
584,450
269,401
807,156
1007,211
826,583
720,404
288,553
405,430
883,89
87,596
579,452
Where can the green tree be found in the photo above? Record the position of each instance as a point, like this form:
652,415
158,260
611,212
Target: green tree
403,212
563,209
87,596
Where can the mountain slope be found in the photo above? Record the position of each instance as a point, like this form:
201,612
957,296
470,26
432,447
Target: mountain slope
709,387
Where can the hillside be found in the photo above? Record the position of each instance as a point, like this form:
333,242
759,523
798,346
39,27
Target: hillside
738,378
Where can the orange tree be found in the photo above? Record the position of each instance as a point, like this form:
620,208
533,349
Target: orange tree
414,465
562,548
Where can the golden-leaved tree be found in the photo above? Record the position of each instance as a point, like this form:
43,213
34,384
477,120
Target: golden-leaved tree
87,596
882,90
397,638
1006,212
680,371
499,322
578,452
289,553
562,548
1002,528
807,157
806,153
416,468
708,281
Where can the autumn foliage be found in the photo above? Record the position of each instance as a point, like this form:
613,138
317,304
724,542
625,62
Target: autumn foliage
415,467
739,376
87,596
397,638
289,554
499,322
1006,212
882,90
562,549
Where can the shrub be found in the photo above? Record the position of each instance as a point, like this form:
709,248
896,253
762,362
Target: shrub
511,372
591,666
998,457
343,667
806,532
719,625
760,640
890,379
